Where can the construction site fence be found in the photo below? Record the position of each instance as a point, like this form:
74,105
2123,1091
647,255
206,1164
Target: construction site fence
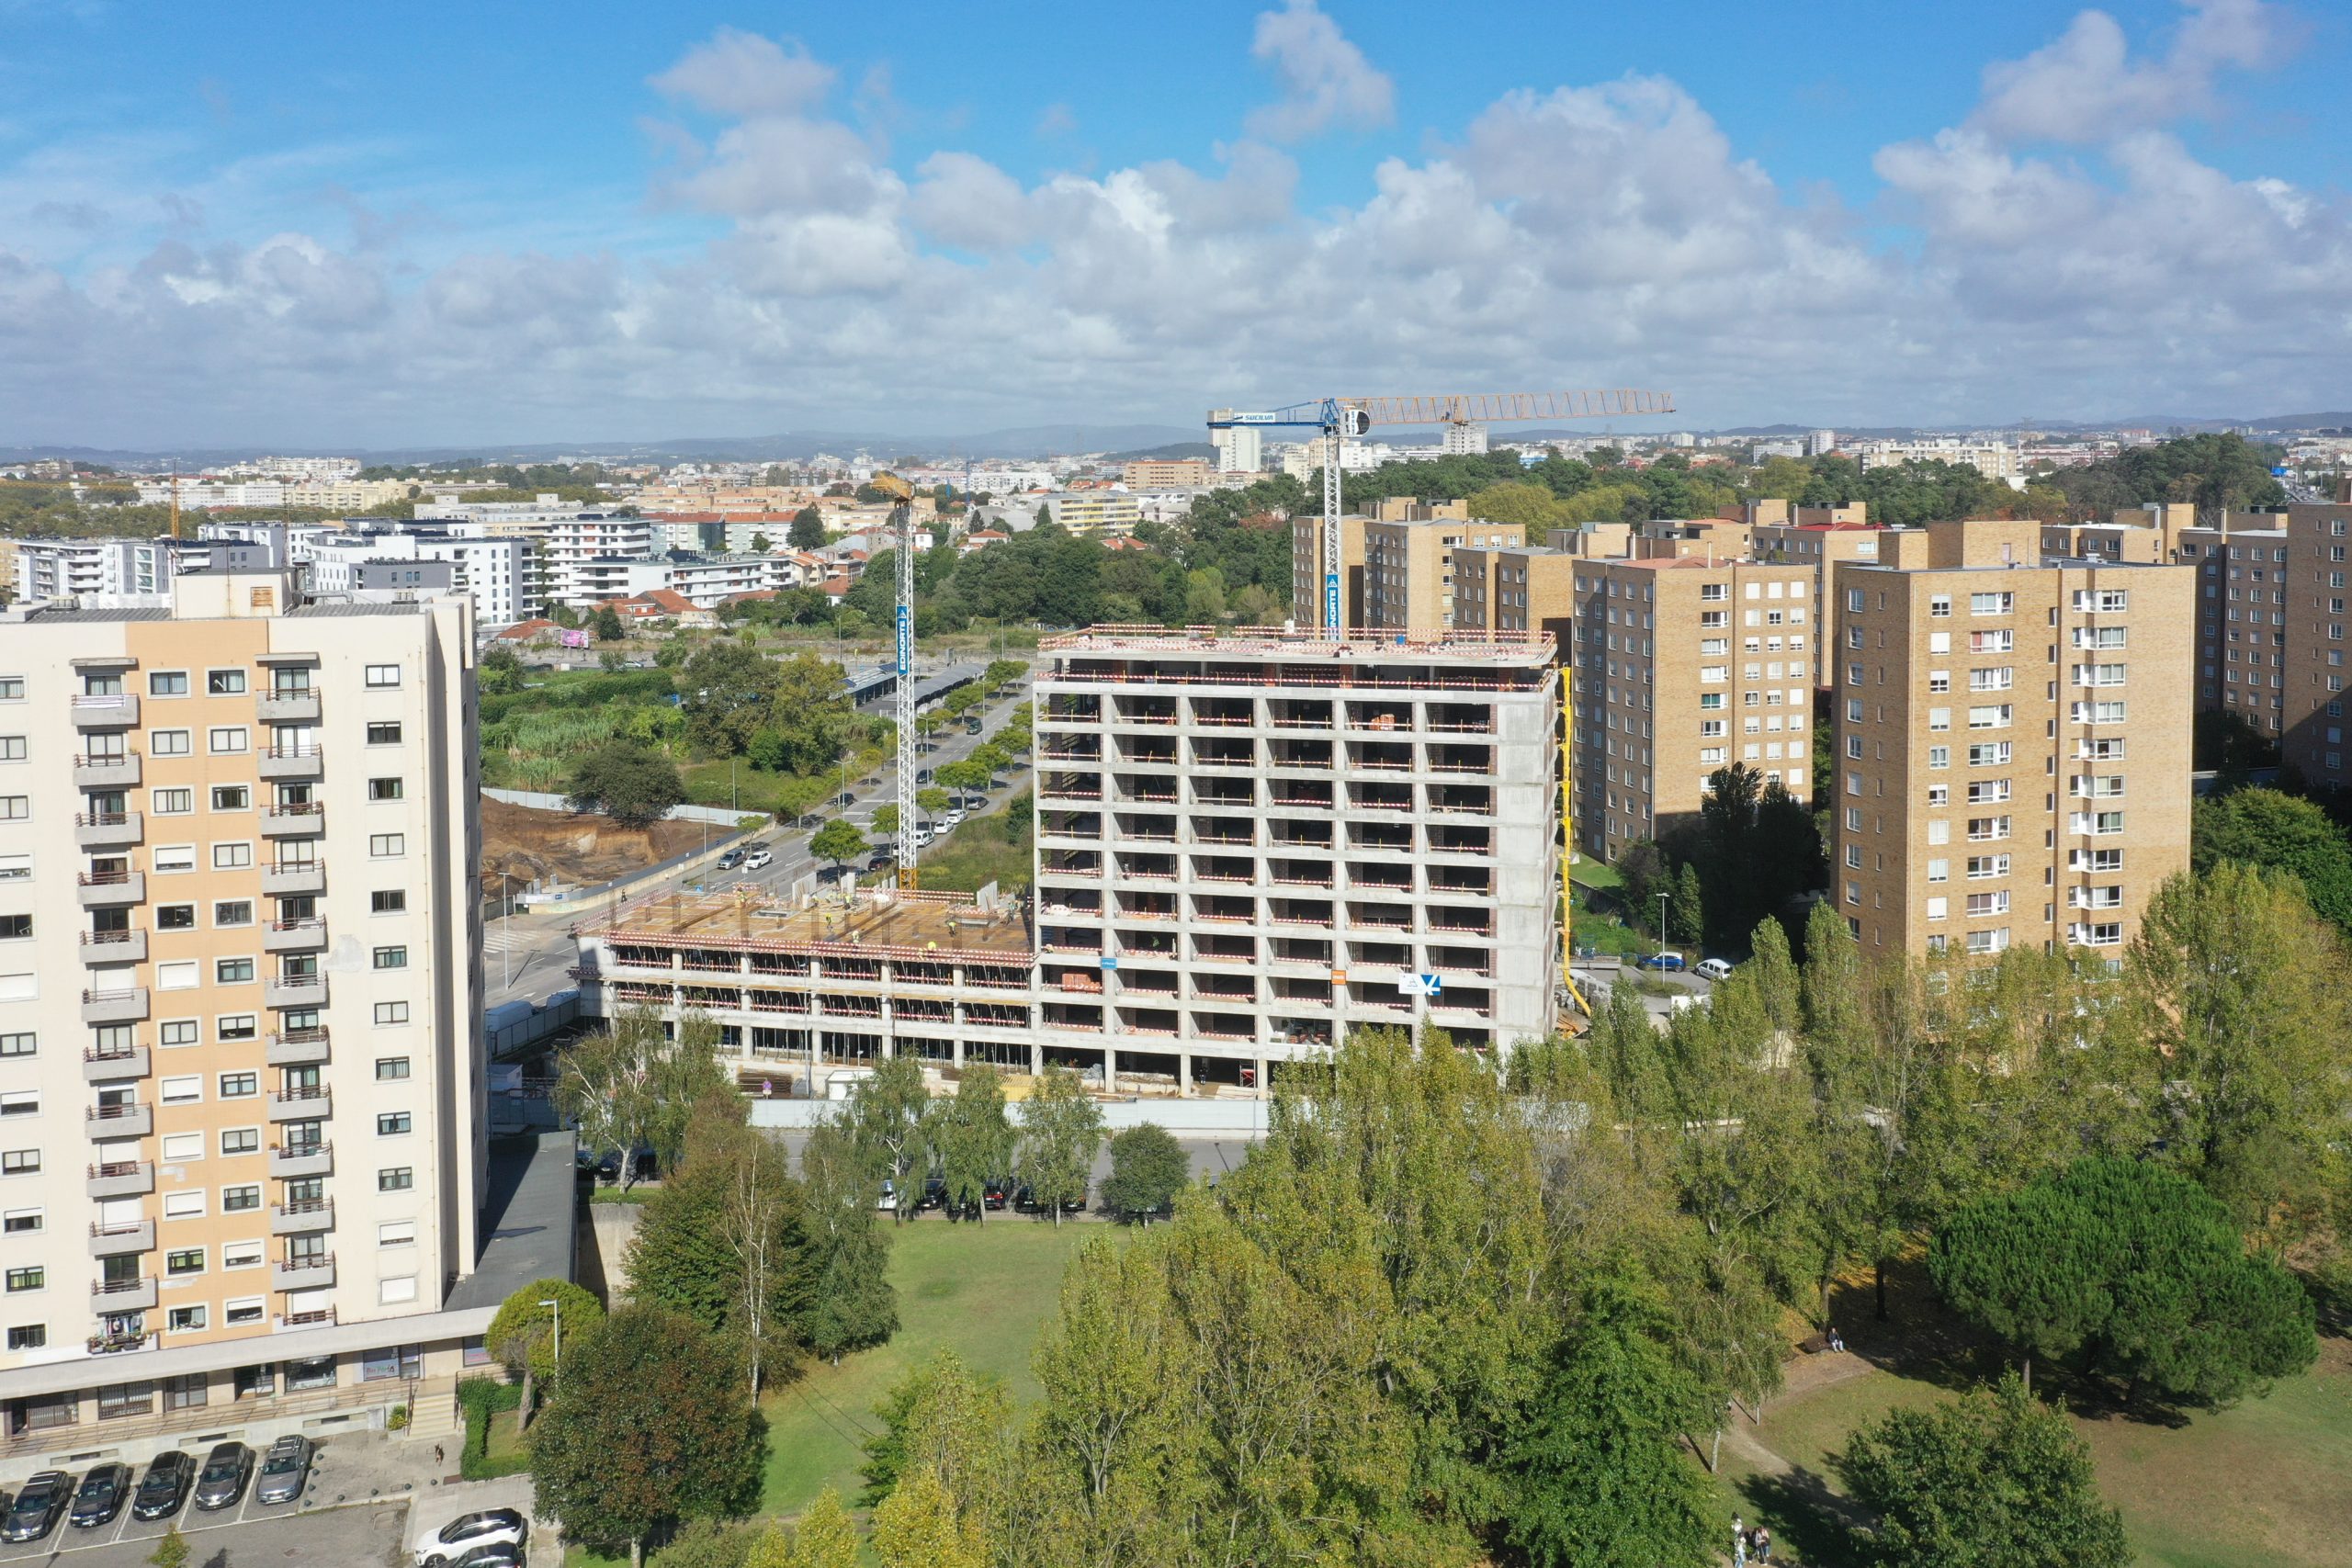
1259,642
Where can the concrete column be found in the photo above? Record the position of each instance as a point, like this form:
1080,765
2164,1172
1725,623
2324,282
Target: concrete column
1110,1071
1036,1059
1184,1073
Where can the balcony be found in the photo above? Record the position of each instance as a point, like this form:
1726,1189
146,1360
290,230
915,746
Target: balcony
321,1317
293,707
121,1121
302,1219
101,948
120,1241
302,1105
109,889
108,1344
123,1295
314,1272
108,829
106,773
123,1178
297,1048
125,1005
293,878
296,819
118,712
294,1161
294,936
102,1066
292,763
294,991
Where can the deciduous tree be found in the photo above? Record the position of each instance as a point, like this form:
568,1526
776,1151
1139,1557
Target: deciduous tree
522,1333
852,1302
1148,1167
1062,1127
632,1084
633,784
649,1426
972,1138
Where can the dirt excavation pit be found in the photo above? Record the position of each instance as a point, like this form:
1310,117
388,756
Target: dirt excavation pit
575,849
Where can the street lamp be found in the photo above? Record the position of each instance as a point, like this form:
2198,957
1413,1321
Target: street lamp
557,1307
1661,923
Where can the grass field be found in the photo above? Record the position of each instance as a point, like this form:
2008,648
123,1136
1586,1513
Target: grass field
982,1290
994,848
2264,1484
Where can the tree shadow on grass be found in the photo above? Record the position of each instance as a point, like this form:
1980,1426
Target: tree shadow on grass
1812,1524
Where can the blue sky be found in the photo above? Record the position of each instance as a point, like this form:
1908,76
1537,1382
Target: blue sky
350,226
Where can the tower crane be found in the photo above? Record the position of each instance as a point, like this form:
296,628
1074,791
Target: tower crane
902,528
1338,418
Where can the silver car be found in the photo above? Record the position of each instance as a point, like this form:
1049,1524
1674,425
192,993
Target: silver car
285,1470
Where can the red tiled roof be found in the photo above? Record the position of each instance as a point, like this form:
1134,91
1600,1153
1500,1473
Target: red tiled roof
530,628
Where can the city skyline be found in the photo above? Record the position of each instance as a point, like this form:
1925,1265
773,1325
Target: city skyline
473,230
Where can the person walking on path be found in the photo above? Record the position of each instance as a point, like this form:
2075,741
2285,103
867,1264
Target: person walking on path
1738,1543
1763,1545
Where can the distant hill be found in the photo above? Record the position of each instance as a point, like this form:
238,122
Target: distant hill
1175,451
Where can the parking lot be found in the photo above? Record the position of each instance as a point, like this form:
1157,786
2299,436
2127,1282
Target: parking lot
366,1498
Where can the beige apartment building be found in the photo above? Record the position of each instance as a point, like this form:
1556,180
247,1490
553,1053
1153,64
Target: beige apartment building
1409,568
1307,570
1166,473
1516,588
243,1152
2013,741
1683,666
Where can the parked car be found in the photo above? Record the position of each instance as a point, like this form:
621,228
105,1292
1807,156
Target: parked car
502,1555
1714,968
934,1192
1663,961
164,1486
758,858
99,1497
954,813
730,859
881,860
997,1192
39,1502
223,1479
285,1470
889,1203
471,1532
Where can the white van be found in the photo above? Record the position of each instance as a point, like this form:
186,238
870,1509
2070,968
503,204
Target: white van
1714,969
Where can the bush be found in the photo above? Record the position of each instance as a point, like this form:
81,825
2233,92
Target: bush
481,1398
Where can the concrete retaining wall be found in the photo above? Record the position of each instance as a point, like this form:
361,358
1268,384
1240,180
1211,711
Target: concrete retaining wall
540,801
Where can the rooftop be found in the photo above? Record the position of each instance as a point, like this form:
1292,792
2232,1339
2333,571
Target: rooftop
880,922
526,1220
1284,642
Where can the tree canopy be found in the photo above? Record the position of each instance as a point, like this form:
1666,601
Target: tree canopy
633,784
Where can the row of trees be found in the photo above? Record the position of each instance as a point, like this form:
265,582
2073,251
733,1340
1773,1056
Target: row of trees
1753,849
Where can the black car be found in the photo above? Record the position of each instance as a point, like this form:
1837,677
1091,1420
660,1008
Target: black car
38,1506
222,1480
934,1192
99,1497
164,1486
504,1555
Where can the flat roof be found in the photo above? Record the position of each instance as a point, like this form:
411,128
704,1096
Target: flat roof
1285,642
526,1220
879,922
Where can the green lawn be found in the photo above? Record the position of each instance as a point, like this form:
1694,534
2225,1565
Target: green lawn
1588,872
981,850
983,1291
2261,1485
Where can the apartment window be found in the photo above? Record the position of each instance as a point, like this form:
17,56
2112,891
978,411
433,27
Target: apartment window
175,802
241,1140
388,901
241,1255
22,1042
23,1280
1939,681
396,1232
29,1336
385,789
186,1090
390,1068
231,797
1991,604
15,807
1980,867
396,1179
240,1086
390,957
238,1200
1708,701
20,1102
382,675
232,912
225,740
167,683
391,1012
176,1031
180,1147
387,846
187,1260
174,917
12,688
1939,756
184,1205
12,749
1988,792
1984,829
224,683
383,734
170,743
232,972
1993,717
1939,719
231,857
19,1162
393,1125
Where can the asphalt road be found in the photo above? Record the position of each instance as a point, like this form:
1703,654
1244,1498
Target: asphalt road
527,956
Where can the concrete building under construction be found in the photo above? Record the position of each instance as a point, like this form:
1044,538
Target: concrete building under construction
1247,844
